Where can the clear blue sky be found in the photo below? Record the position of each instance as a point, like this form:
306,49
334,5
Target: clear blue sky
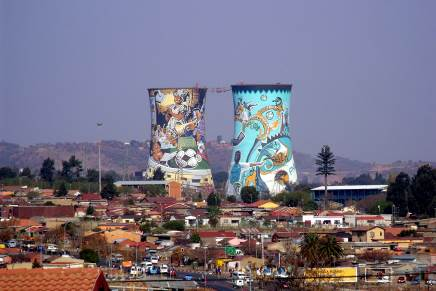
364,72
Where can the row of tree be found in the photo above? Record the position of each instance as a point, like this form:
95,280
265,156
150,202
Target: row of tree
415,194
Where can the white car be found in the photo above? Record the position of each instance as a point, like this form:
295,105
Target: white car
154,259
238,283
135,270
238,275
384,279
164,269
51,248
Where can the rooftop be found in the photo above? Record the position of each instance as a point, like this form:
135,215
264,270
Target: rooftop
351,187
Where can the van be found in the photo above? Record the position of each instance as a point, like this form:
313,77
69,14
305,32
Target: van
238,283
238,275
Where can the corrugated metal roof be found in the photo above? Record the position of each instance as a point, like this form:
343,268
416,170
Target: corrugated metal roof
351,187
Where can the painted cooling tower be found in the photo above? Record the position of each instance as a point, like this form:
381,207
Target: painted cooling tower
178,143
262,148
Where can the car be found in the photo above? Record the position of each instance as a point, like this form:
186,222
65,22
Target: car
187,277
281,273
384,279
154,260
135,270
52,248
12,243
238,275
401,280
238,283
431,282
173,273
164,269
153,270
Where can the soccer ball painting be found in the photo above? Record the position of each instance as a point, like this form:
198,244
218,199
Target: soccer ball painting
187,159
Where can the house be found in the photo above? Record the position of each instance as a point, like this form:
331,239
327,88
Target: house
64,261
325,219
118,234
80,279
367,234
264,204
91,199
368,220
45,211
229,220
211,238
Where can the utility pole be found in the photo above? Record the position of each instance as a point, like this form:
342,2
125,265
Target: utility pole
99,124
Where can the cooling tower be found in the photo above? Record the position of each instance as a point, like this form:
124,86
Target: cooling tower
262,148
178,145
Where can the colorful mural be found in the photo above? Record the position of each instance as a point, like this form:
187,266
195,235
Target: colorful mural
262,149
177,136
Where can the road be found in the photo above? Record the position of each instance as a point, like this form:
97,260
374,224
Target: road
211,281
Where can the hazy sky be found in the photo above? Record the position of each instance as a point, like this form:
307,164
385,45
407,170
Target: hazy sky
364,72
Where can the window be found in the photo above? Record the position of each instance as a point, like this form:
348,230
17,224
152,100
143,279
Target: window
195,180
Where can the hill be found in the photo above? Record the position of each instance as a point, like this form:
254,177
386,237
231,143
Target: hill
119,157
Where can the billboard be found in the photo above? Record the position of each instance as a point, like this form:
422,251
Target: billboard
262,148
178,145
331,275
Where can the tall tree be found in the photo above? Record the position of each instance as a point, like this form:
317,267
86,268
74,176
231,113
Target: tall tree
423,191
249,194
398,193
109,191
71,169
325,160
47,170
92,175
26,172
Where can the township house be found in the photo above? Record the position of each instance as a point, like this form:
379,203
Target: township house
212,238
79,279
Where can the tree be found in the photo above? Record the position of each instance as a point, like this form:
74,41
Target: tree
47,170
213,214
90,210
330,250
423,192
213,200
398,193
174,225
249,194
231,198
158,174
309,249
26,172
92,175
6,173
145,227
62,191
89,256
195,238
32,195
325,161
109,191
71,169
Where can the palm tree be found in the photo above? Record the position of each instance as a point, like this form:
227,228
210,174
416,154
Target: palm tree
330,250
325,160
309,249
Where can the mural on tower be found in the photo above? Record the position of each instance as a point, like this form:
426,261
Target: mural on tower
262,148
178,135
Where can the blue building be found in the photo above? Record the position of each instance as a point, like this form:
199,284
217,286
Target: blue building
344,193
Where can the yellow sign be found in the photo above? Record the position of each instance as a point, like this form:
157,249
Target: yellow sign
331,275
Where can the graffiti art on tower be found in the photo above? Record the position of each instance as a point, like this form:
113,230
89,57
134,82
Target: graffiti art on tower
262,148
177,135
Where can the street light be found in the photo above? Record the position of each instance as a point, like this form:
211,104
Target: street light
99,124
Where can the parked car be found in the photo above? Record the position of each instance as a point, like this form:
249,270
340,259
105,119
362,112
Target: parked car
12,243
52,248
164,269
384,279
238,275
154,260
187,277
173,273
154,270
135,270
431,282
401,280
238,283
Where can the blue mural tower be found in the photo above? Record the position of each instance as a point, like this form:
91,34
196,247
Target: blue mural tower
262,147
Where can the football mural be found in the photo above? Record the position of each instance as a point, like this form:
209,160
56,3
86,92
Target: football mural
262,148
177,135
